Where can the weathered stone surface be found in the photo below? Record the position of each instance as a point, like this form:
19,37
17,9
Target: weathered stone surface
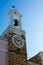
37,59
16,56
32,63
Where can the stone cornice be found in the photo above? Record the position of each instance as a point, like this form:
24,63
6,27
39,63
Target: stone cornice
2,38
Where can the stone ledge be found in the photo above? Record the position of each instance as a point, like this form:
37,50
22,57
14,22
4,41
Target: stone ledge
2,38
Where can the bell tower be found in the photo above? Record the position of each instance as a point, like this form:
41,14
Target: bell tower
16,39
15,19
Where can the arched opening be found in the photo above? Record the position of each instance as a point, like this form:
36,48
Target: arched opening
14,16
15,20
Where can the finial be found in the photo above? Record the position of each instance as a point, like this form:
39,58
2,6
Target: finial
13,6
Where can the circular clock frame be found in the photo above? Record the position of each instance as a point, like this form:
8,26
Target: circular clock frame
18,41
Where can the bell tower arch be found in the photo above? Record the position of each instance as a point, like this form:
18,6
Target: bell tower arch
15,19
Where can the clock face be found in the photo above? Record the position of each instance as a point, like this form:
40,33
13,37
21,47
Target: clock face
18,41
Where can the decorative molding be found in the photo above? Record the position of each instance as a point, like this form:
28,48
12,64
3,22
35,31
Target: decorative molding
9,29
3,50
2,38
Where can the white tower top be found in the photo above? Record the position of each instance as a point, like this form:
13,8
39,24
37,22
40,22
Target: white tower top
15,19
15,24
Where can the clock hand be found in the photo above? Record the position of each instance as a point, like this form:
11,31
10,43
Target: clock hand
17,39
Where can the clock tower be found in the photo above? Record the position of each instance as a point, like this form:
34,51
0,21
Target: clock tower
16,39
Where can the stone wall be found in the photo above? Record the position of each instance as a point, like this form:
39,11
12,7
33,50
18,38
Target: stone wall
16,56
36,59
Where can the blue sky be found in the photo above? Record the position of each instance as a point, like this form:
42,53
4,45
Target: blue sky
32,22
